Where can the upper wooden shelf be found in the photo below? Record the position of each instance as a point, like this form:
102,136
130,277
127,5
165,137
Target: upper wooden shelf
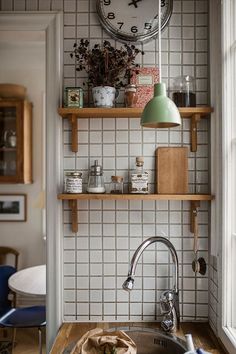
108,196
123,112
193,113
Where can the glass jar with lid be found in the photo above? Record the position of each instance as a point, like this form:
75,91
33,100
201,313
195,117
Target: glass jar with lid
131,95
73,182
116,185
184,94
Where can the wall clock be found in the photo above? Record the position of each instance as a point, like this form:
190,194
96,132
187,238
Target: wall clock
133,20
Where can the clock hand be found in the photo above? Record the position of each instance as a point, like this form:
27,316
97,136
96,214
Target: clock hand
134,2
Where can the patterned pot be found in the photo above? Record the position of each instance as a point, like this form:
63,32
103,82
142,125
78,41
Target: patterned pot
104,96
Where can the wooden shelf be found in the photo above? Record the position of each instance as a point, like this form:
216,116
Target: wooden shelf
193,198
88,196
193,113
123,112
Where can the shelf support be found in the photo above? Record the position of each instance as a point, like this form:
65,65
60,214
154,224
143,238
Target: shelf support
195,204
194,120
74,132
74,215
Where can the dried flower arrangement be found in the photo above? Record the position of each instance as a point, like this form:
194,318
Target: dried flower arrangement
104,64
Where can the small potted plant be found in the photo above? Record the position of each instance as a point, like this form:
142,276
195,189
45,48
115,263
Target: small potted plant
107,67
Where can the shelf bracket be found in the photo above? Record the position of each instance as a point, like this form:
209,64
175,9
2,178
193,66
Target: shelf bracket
74,215
195,204
194,120
74,132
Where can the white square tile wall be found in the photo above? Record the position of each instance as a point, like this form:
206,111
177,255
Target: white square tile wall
96,259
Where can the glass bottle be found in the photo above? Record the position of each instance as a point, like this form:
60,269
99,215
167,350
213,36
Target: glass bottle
96,181
139,178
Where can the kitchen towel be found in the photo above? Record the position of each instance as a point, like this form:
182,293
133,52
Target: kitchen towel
98,341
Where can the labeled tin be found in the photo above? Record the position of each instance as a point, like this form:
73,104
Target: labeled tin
73,97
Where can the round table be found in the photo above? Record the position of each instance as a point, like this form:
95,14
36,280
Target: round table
29,281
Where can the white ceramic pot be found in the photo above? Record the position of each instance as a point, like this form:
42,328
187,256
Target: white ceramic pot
104,96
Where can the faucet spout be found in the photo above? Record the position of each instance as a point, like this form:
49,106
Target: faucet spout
170,298
143,246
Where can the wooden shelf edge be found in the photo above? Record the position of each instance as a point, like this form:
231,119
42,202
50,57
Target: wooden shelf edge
123,112
8,149
190,197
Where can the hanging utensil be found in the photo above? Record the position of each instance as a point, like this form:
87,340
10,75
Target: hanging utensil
198,264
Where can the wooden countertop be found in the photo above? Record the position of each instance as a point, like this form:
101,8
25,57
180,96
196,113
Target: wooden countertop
202,334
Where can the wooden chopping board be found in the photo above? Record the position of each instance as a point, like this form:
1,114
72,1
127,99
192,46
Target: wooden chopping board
172,170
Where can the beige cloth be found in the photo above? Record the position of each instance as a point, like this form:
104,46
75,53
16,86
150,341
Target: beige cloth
98,341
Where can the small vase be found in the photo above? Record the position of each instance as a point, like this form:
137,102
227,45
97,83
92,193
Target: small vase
104,96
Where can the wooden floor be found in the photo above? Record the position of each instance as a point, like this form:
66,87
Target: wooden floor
26,341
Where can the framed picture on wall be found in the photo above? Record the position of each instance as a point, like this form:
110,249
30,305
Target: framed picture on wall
13,207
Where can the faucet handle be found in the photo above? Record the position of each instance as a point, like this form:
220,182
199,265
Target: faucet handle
167,301
167,324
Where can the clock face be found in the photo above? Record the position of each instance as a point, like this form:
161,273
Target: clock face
133,20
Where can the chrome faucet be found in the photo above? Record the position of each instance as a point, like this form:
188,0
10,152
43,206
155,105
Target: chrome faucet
169,300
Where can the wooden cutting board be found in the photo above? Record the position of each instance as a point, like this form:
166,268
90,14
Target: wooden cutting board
172,170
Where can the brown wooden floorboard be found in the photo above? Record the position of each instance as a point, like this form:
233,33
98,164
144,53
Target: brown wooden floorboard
26,340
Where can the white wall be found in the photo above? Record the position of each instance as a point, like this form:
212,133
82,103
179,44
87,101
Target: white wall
23,59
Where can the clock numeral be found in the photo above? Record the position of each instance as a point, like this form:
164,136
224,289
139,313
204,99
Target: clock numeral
163,3
111,15
107,2
121,24
134,29
148,26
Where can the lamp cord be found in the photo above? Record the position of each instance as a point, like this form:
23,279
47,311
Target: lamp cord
159,37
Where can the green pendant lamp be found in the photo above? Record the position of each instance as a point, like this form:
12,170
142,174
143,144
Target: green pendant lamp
160,111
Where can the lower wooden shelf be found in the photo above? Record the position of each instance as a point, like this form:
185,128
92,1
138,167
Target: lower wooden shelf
106,196
193,198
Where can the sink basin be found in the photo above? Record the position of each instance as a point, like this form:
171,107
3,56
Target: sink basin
149,341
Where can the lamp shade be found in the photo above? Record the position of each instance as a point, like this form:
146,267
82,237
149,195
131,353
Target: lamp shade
160,111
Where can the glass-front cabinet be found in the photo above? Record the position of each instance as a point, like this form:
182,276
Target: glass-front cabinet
15,141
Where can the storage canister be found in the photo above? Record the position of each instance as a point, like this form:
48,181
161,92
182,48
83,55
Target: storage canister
131,96
73,97
116,185
73,182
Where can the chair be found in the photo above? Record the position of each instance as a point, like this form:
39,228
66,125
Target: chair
4,252
25,317
5,273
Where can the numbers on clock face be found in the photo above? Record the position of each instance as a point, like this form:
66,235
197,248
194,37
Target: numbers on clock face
133,20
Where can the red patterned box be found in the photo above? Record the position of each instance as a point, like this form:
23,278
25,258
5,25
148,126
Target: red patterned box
145,80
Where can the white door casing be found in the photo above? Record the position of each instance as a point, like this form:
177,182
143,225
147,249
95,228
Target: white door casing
52,24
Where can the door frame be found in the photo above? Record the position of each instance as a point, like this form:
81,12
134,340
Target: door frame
222,82
52,24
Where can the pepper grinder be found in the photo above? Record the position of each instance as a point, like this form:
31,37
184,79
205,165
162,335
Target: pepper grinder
96,181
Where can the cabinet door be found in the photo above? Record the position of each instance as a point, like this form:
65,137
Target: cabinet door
12,146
